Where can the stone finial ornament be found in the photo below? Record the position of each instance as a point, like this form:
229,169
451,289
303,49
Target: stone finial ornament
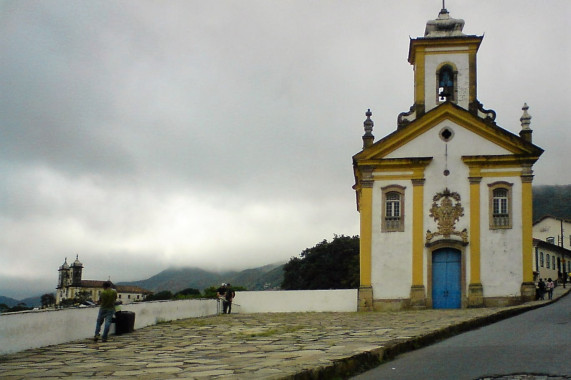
368,125
525,118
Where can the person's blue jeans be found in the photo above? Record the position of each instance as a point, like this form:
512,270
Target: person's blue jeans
107,316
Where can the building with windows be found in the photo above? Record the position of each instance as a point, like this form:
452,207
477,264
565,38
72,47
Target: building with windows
552,248
445,200
72,286
553,230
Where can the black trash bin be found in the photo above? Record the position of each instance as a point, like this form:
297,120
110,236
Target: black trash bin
125,322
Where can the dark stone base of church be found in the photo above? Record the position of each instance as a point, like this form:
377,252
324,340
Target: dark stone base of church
365,300
475,295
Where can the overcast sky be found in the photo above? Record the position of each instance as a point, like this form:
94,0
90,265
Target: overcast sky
142,135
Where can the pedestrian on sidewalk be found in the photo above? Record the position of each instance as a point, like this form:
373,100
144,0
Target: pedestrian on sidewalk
541,290
106,311
550,286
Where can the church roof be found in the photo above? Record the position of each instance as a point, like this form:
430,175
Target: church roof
449,111
65,265
77,263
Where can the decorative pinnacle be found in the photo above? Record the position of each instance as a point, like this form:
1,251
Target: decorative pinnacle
368,124
443,10
525,118
368,136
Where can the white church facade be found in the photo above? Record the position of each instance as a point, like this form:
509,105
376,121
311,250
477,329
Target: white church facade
445,201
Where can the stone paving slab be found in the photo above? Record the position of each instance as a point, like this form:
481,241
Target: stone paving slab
253,346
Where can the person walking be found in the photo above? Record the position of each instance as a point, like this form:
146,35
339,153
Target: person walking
106,311
550,286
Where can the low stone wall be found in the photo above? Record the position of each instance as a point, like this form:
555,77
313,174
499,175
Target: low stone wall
21,331
24,330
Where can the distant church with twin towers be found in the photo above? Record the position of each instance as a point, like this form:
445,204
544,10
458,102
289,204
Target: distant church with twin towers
70,284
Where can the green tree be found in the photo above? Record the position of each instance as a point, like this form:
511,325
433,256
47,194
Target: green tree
160,296
82,296
187,293
328,265
210,292
20,307
48,300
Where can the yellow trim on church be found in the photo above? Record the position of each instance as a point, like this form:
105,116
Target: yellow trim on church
475,230
527,227
366,234
417,231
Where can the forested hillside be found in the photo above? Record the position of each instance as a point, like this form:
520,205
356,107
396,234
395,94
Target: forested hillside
176,279
552,200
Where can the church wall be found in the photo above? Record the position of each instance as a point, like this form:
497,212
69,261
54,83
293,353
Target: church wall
501,249
501,258
456,182
463,143
391,265
432,64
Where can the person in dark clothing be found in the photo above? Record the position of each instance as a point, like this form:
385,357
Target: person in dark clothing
229,296
221,294
541,289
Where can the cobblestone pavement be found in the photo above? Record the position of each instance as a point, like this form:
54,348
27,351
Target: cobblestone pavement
253,346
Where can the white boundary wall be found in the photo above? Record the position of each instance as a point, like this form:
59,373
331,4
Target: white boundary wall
33,329
21,331
296,301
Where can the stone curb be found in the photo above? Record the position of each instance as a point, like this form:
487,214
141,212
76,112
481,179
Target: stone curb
352,366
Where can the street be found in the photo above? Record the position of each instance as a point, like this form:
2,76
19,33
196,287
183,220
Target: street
536,342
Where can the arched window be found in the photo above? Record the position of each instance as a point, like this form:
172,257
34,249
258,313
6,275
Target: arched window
446,84
541,262
393,208
500,205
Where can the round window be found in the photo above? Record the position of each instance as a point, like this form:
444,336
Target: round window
446,134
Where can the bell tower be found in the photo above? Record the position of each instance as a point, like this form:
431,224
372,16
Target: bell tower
76,272
444,63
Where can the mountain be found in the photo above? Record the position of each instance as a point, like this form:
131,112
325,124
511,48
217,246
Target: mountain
33,301
10,302
177,279
552,200
29,302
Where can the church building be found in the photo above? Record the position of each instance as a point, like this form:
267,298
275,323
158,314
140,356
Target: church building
70,285
445,200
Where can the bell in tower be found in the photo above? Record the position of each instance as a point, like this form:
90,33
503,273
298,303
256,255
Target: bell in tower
446,84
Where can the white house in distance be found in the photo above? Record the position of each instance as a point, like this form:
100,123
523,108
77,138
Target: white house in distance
552,248
70,284
553,230
445,201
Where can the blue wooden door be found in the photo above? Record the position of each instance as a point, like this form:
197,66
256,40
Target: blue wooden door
446,279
